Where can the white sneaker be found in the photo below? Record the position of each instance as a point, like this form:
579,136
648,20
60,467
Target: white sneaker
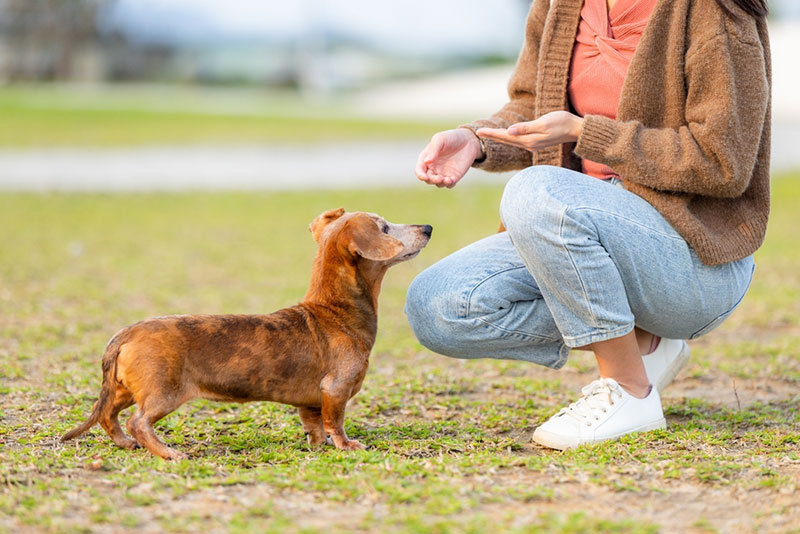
606,411
663,364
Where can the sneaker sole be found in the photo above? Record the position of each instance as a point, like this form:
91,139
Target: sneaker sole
674,368
555,441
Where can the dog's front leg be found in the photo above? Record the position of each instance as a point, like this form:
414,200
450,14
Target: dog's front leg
335,394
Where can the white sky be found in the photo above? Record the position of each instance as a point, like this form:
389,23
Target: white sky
399,25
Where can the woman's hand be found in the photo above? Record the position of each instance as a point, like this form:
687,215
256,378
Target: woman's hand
548,130
448,157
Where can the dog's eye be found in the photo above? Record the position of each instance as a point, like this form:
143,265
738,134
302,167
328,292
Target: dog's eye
385,229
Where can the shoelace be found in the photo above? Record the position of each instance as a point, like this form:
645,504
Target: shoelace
597,398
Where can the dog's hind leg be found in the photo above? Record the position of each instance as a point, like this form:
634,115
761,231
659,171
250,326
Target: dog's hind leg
140,425
110,422
312,425
333,406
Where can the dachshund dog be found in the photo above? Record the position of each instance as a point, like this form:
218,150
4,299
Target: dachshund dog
313,355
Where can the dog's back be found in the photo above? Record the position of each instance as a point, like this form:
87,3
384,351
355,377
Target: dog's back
277,357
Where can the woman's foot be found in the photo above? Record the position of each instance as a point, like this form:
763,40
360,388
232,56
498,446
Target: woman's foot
606,411
664,363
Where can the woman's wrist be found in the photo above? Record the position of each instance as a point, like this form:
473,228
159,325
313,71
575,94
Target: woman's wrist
577,127
478,144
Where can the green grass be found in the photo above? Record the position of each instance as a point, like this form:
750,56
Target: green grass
44,116
448,440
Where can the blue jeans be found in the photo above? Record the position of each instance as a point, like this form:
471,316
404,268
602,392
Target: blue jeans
582,261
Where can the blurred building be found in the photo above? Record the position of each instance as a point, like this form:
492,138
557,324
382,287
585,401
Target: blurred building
49,39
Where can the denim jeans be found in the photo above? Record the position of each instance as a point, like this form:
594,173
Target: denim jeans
581,261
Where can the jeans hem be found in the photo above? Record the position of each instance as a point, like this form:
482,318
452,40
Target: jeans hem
596,337
563,352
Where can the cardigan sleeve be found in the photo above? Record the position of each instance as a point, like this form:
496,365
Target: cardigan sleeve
500,157
714,153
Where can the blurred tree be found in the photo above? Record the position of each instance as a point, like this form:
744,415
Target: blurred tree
48,39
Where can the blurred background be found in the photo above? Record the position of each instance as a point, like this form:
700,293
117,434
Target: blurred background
199,94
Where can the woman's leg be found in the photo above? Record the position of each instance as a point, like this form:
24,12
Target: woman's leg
603,259
482,302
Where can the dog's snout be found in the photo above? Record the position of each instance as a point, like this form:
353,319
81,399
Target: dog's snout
427,230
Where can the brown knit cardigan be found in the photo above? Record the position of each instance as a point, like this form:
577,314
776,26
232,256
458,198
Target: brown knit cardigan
692,134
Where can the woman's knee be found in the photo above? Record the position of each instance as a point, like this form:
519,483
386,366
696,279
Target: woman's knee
418,305
527,200
435,311
425,311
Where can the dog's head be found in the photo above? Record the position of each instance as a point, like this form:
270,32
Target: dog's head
360,235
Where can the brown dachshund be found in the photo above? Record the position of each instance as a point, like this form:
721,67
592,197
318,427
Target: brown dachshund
313,355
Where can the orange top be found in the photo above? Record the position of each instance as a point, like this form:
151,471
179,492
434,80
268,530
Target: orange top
603,50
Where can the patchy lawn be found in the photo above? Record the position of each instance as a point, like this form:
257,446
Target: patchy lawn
448,440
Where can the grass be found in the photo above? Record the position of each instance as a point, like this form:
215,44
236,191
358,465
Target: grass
55,116
448,440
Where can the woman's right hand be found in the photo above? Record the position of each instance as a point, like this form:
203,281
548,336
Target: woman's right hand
448,157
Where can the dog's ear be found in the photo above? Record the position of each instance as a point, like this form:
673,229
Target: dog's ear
323,220
365,239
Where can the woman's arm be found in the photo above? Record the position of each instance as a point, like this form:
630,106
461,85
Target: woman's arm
727,82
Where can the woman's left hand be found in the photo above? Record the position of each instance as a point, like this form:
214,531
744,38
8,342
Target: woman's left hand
548,130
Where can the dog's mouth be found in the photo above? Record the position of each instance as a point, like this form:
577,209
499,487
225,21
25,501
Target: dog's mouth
408,256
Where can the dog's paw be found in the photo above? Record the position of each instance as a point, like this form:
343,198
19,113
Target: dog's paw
351,445
129,444
172,454
317,441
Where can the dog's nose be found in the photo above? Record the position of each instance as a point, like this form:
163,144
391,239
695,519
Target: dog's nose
427,230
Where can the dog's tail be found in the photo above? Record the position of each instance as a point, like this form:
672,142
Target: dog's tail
105,402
